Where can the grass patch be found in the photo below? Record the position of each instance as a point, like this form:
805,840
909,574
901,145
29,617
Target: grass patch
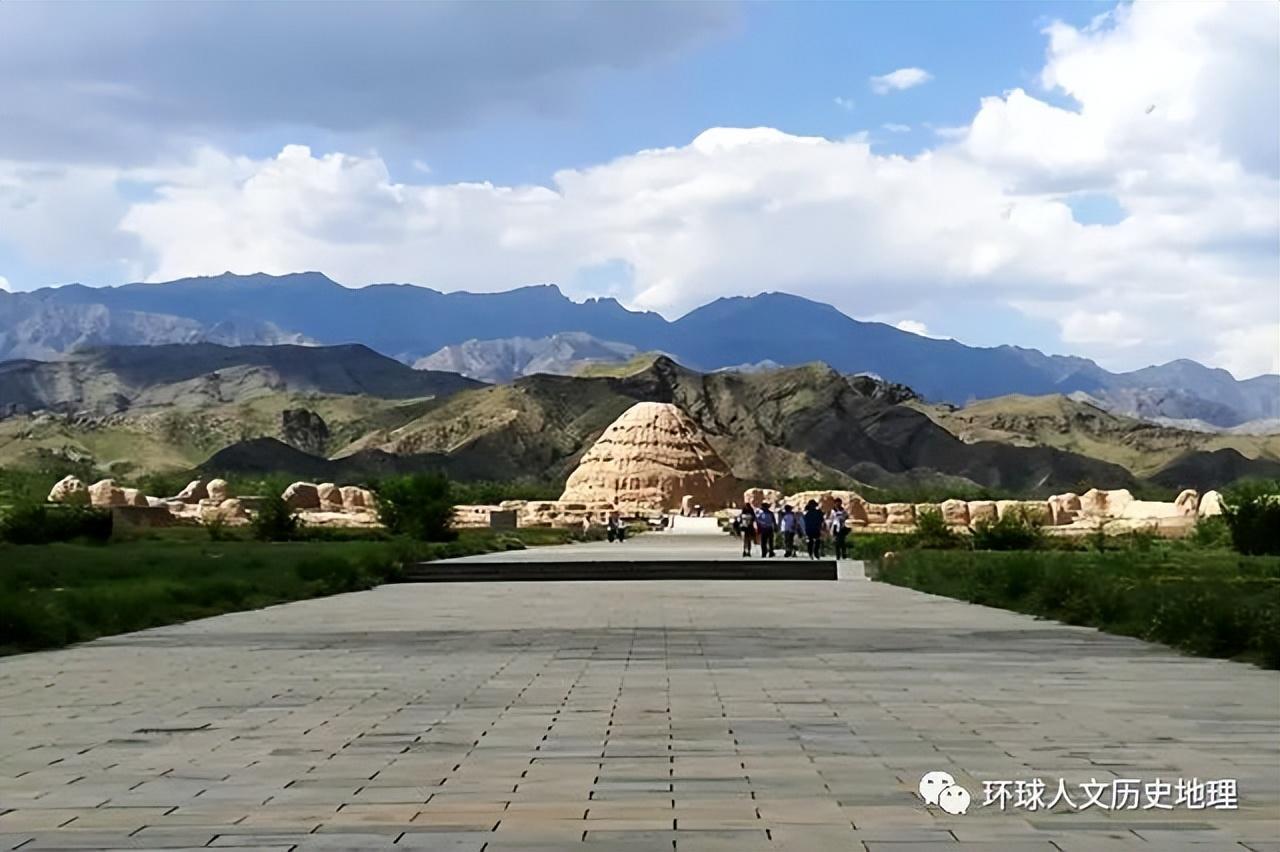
55,594
1206,602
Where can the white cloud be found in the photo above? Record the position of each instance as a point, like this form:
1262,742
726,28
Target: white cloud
1108,326
4,284
948,132
896,128
975,224
913,327
896,81
843,102
1161,87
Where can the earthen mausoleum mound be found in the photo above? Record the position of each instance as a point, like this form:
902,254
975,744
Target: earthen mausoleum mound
648,459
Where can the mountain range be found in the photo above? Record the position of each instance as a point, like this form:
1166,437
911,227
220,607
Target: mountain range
349,413
418,325
118,378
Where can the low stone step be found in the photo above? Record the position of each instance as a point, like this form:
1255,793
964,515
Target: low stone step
526,571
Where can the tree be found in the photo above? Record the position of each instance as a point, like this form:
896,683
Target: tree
419,506
1252,511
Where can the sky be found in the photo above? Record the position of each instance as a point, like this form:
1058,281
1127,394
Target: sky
1083,178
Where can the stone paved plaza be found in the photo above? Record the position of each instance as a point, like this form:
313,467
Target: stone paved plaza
620,715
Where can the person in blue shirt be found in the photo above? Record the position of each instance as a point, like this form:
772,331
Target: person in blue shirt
813,523
766,523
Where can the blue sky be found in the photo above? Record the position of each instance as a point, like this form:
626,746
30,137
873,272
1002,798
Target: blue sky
778,65
1075,177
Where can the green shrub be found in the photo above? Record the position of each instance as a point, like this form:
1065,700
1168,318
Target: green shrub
216,528
932,532
164,484
1206,602
1252,512
1211,532
872,546
490,493
339,534
1142,539
1014,531
419,506
53,594
275,521
37,523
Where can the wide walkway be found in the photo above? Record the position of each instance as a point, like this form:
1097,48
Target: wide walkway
623,715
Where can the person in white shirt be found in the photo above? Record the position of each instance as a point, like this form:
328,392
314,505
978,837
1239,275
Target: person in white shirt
789,522
838,523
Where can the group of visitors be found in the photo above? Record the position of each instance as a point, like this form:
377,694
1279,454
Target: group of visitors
761,526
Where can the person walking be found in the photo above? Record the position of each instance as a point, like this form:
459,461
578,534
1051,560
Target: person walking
766,523
813,523
838,522
788,523
616,531
586,525
747,526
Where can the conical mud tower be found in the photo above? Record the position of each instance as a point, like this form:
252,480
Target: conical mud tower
648,459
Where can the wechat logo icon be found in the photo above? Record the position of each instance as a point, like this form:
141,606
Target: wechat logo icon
941,789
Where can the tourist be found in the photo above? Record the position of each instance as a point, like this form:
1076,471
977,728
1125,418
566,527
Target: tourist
789,522
616,531
838,523
746,523
813,524
586,525
766,523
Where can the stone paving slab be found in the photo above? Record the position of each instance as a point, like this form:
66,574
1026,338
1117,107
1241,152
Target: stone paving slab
620,715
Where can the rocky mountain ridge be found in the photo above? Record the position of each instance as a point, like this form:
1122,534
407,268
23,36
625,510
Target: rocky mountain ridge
264,408
412,323
118,378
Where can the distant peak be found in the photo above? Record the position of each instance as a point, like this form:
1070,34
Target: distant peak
252,279
549,289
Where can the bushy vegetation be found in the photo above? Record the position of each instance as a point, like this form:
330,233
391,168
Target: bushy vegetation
1252,514
38,523
486,492
1212,533
274,520
1217,604
936,493
871,546
933,532
55,594
1014,531
419,506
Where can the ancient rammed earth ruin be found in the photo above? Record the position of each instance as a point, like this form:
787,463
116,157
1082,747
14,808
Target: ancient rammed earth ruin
652,460
206,501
